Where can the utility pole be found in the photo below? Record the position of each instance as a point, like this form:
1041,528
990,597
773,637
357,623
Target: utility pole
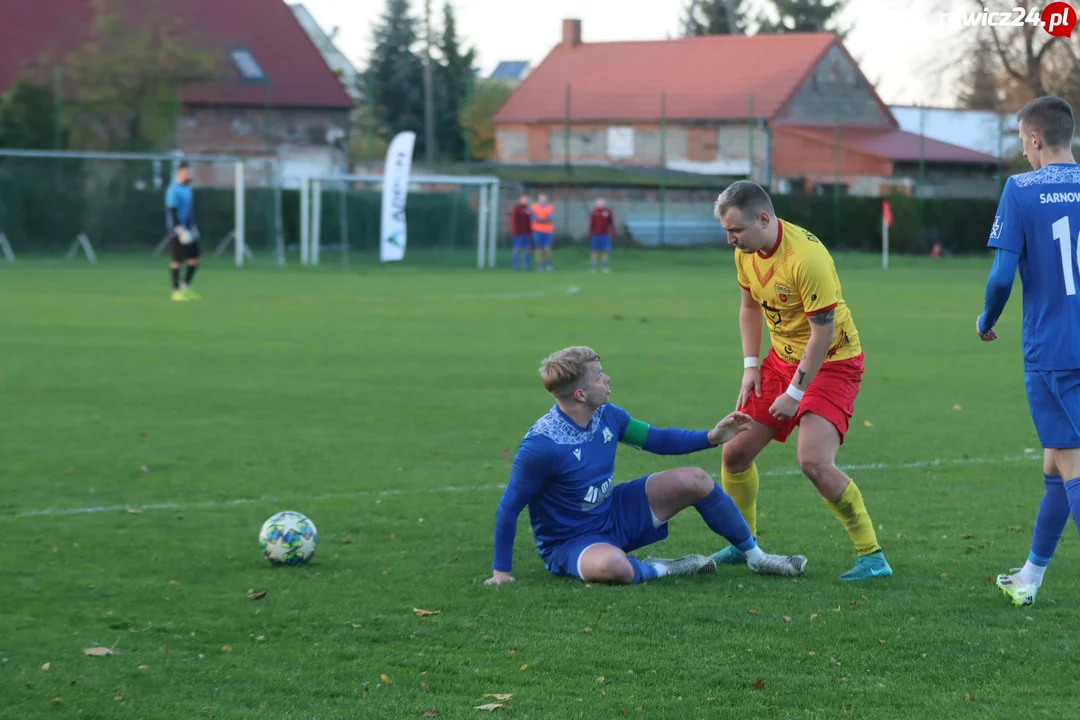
429,94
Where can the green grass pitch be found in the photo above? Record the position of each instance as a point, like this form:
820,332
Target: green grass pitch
144,442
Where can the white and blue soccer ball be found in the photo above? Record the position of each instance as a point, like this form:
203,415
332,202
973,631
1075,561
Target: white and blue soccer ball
288,538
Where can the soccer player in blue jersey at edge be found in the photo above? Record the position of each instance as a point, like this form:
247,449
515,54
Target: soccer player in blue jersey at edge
583,523
1035,229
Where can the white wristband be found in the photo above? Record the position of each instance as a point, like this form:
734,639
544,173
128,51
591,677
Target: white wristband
750,362
795,392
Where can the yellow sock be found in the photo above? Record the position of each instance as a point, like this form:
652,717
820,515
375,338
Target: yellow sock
851,512
742,488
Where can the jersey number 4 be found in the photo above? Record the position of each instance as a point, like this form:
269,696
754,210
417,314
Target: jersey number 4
1064,237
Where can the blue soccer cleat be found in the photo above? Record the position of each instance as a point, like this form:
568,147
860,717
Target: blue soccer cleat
869,566
730,555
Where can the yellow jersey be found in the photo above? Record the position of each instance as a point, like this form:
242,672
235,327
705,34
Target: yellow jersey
794,281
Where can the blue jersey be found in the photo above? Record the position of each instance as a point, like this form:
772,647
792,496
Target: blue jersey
182,199
1038,219
564,474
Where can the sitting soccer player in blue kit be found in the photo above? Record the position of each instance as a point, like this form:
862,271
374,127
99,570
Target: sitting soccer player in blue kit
584,524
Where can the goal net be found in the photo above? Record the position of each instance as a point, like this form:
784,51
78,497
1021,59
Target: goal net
90,205
449,220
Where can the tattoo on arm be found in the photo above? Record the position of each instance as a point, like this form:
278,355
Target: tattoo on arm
802,376
826,318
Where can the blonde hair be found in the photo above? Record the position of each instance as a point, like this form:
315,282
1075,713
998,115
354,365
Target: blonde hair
749,197
564,371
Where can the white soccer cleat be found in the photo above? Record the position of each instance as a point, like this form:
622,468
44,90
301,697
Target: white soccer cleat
783,565
1020,593
686,565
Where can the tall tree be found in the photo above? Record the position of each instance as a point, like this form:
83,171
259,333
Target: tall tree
489,96
121,87
803,16
979,86
715,17
457,75
28,117
396,75
1024,55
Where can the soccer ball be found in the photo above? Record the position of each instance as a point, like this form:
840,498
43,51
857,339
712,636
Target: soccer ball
288,538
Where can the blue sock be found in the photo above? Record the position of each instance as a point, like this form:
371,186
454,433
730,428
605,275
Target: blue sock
515,259
1072,490
1050,522
528,260
642,572
719,512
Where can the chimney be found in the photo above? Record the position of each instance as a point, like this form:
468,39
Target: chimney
571,32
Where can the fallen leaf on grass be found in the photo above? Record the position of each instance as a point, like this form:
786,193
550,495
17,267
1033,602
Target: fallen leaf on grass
143,668
752,611
499,696
56,701
144,468
787,618
867,423
226,649
424,613
257,595
386,678
118,698
425,687
134,511
958,408
813,617
600,679
524,668
970,697
505,454
168,651
45,666
431,713
97,651
759,684
588,629
1013,529
490,706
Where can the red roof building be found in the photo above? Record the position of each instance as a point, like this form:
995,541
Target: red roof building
793,109
275,90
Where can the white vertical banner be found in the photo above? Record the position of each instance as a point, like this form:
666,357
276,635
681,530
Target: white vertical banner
395,188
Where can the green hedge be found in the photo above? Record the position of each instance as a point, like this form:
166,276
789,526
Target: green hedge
43,208
854,223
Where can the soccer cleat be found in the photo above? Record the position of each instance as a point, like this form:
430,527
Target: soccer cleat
783,565
1020,594
686,565
869,566
730,555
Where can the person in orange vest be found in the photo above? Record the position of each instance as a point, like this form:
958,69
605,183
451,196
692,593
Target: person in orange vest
543,214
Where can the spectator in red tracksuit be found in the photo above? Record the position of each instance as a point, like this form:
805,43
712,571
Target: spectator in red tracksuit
521,231
601,233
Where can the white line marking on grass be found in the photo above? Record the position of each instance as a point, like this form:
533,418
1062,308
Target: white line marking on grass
51,512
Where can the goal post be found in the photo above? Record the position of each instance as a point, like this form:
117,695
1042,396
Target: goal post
449,218
112,203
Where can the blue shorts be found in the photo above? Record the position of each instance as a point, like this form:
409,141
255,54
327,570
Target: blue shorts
521,242
1054,399
601,243
630,525
543,239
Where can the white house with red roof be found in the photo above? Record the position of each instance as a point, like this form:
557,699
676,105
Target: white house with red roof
794,110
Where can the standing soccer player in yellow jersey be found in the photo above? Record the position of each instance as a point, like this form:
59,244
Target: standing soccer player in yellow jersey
809,378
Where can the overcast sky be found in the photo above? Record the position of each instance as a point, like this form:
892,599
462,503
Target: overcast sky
901,45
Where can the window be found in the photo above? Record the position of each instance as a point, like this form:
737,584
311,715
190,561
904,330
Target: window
247,65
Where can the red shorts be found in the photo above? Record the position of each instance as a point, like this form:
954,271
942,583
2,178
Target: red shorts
831,393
